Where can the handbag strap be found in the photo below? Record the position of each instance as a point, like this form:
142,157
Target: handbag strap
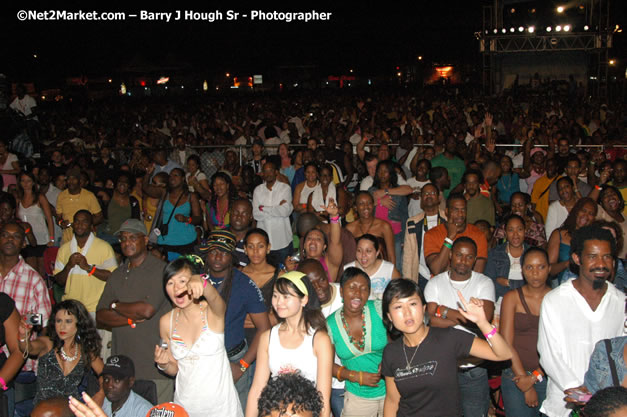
174,207
608,347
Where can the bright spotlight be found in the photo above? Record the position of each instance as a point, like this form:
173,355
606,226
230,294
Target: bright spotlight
512,30
558,28
586,27
548,28
531,29
566,28
496,31
521,29
560,9
504,30
612,62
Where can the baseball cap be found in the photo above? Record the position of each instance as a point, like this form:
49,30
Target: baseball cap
221,239
167,410
132,226
119,366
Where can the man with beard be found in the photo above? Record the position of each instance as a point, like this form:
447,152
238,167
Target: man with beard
443,308
479,207
241,215
577,314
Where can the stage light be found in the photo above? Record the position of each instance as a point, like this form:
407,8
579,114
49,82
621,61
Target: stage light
504,30
612,62
531,29
228,75
566,28
558,28
548,28
521,29
560,9
496,31
512,30
420,56
586,27
512,10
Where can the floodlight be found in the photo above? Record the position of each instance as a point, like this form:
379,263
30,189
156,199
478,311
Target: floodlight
566,28
531,29
521,29
548,28
558,28
560,9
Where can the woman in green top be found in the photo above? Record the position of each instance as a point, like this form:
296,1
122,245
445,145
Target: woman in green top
359,336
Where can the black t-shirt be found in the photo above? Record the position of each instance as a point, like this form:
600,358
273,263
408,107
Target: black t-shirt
7,305
429,387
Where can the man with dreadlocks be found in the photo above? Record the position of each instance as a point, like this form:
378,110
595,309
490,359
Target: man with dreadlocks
242,297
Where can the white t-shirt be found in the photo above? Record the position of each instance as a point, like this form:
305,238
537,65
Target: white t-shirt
379,280
555,217
515,269
413,207
25,105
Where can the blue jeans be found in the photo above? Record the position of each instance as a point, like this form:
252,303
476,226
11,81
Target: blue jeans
514,399
474,391
278,256
337,401
246,380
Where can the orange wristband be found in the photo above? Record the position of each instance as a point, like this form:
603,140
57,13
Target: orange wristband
244,363
131,323
339,373
27,231
92,271
438,313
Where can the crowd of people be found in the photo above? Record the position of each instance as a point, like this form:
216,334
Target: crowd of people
400,255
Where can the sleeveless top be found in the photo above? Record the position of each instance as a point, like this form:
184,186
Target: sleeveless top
204,383
35,216
51,382
216,222
178,233
317,198
304,194
526,335
284,361
379,280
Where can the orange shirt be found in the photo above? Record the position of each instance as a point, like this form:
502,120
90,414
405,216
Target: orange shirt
434,240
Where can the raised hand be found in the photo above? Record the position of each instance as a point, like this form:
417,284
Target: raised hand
473,309
488,119
89,409
195,286
332,209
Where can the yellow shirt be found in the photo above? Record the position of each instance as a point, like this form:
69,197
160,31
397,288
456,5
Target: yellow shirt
68,204
542,203
80,286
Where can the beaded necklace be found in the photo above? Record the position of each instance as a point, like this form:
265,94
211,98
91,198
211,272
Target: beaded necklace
361,343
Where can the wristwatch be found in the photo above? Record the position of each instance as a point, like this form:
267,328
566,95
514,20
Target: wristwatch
113,304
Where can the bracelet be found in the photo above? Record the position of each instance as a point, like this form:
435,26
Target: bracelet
334,220
489,336
3,384
449,240
538,376
597,187
361,381
205,279
444,313
92,271
189,220
438,313
339,374
132,324
448,245
162,369
27,231
244,363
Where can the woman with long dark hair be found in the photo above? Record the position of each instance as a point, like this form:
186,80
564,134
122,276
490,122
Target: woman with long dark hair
582,214
299,343
420,365
33,208
194,333
520,204
70,347
223,193
612,207
180,213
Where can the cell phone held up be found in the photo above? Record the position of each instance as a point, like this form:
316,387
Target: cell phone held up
579,395
34,319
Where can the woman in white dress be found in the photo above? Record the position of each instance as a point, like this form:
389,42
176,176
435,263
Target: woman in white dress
299,343
194,334
369,260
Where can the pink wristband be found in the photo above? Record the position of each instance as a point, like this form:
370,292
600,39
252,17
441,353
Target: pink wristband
335,219
488,336
3,384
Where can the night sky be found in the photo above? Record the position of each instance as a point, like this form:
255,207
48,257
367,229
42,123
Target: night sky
371,38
